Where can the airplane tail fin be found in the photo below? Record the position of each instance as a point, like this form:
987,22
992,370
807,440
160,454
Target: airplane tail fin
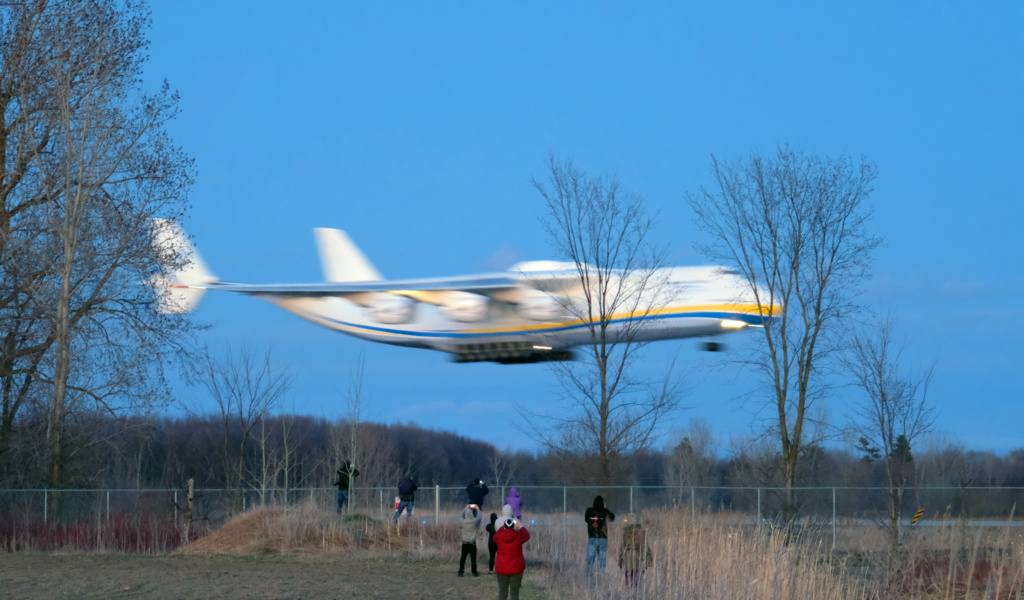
341,259
180,290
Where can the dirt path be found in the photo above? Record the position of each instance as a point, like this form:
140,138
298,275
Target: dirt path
349,577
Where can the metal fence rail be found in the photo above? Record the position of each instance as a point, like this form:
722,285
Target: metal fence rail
216,505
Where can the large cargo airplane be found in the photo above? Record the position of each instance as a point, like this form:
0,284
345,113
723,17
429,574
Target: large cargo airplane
530,313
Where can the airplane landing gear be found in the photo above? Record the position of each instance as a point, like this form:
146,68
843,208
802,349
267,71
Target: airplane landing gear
712,346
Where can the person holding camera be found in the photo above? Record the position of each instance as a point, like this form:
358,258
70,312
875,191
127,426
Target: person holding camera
510,563
597,517
470,520
476,492
406,495
345,474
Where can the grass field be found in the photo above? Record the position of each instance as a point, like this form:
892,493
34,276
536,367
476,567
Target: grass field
305,552
352,576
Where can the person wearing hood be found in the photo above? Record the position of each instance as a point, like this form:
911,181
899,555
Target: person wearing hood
515,502
406,496
597,517
476,492
345,474
634,553
492,548
470,520
511,564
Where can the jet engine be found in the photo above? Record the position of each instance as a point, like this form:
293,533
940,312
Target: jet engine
464,307
540,306
390,309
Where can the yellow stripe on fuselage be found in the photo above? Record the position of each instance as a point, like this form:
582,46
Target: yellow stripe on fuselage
671,310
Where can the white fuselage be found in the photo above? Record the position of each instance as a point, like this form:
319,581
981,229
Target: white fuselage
691,302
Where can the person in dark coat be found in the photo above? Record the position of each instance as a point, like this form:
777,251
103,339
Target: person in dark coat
345,474
491,546
406,496
476,492
597,517
511,563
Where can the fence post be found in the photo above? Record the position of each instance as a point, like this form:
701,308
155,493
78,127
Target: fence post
758,508
108,507
175,509
381,490
833,519
46,498
565,505
630,499
693,507
437,504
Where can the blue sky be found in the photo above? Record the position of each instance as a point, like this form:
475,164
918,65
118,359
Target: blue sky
417,127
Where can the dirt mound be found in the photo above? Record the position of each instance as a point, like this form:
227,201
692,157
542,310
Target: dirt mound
307,529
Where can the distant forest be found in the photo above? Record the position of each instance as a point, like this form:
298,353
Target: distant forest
290,451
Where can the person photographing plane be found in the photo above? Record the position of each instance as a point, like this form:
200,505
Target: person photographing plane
510,564
345,474
476,492
597,517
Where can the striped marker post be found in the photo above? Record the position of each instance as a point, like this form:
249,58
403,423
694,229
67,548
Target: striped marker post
917,516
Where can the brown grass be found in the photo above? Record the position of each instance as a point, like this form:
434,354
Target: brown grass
307,529
713,559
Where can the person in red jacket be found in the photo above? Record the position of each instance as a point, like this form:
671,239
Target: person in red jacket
510,563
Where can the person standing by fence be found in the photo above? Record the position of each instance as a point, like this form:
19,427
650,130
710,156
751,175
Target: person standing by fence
476,492
597,517
515,502
345,474
406,496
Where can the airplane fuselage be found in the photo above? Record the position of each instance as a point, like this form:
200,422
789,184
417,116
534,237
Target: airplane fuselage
696,303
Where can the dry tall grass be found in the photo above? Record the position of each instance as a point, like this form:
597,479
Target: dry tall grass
713,559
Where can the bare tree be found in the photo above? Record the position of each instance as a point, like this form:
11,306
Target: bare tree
894,411
87,164
503,465
246,388
691,460
605,234
795,227
354,404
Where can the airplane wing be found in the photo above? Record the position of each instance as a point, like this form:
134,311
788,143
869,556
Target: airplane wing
484,285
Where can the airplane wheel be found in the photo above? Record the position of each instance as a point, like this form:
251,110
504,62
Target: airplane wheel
712,346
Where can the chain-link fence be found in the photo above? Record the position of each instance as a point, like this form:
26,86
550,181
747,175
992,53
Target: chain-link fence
216,506
827,509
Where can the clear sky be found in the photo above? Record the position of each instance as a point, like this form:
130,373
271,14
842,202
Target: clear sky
417,127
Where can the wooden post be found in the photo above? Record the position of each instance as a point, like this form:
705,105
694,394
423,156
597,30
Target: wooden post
186,520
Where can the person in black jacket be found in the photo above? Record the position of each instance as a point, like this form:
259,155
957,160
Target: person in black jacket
492,547
476,492
345,474
406,494
597,517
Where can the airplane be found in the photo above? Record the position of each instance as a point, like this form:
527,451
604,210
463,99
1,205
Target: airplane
530,313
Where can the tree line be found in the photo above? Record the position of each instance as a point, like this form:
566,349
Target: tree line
299,451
